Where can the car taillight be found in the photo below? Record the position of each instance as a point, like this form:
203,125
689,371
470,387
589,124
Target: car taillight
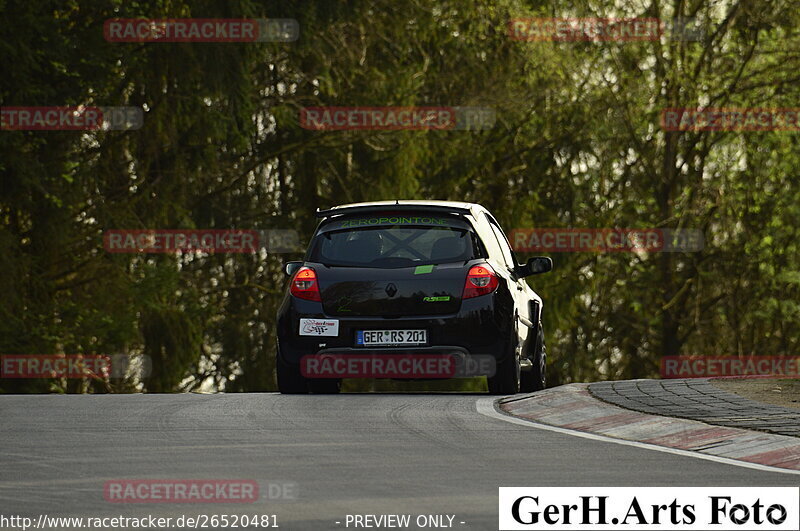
304,285
480,281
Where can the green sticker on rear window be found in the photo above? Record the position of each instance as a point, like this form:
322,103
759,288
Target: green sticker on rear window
421,270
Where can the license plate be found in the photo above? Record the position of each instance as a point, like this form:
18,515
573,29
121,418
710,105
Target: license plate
391,337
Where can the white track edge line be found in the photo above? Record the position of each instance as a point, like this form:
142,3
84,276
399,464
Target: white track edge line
487,407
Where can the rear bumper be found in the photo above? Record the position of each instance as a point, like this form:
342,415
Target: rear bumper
482,326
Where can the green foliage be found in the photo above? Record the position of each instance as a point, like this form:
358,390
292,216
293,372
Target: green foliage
576,144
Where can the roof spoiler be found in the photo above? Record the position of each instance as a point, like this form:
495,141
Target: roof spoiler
393,208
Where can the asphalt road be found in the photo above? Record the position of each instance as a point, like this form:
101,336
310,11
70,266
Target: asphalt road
346,454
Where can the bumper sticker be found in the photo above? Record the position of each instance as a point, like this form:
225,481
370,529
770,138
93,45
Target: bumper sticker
319,327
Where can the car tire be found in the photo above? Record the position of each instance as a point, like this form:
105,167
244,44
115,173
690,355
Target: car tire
325,386
536,379
506,380
290,381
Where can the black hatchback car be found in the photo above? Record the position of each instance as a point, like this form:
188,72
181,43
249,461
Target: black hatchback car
408,282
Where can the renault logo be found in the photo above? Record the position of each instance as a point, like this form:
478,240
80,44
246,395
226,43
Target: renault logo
391,289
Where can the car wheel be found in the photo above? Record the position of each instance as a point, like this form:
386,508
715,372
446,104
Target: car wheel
290,381
325,386
506,380
536,378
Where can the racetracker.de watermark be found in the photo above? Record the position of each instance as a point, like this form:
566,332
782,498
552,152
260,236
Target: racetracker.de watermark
730,119
73,365
571,240
70,118
401,366
397,118
591,29
201,30
198,490
751,366
201,240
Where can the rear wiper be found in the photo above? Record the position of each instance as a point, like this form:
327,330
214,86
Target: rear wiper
341,265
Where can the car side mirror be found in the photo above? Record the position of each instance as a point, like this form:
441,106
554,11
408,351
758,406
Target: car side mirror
536,265
290,268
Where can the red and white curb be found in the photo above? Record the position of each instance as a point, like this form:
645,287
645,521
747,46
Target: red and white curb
570,408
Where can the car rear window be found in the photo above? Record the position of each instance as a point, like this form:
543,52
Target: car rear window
393,246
